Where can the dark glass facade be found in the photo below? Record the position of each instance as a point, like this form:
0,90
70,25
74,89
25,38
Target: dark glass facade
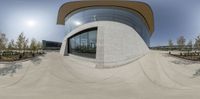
116,14
51,45
84,43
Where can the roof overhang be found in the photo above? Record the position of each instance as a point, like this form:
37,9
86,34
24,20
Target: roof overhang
141,8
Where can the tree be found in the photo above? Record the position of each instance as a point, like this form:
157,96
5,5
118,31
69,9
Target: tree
39,46
25,44
197,43
190,45
170,43
11,45
181,42
3,41
20,41
33,45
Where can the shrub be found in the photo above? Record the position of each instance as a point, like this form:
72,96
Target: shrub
20,56
185,54
33,54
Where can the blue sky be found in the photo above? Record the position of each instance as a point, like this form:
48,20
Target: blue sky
173,18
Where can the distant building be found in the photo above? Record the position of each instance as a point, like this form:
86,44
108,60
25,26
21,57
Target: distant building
174,47
109,33
51,45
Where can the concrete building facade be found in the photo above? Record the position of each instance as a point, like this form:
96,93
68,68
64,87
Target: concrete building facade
108,33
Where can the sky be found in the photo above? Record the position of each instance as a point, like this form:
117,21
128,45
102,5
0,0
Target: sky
37,19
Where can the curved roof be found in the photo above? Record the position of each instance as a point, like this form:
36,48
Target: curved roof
141,8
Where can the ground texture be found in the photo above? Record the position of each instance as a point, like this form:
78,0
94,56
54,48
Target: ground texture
154,76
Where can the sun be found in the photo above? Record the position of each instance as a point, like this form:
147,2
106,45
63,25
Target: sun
31,23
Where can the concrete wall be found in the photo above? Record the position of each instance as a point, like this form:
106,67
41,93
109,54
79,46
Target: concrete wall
117,43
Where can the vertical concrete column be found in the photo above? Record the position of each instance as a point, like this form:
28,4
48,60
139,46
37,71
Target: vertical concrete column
100,47
64,48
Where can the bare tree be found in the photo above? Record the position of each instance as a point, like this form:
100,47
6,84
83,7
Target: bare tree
181,42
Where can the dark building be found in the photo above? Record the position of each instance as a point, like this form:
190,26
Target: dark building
51,45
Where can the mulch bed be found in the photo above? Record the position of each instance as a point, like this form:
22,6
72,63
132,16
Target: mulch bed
18,57
188,56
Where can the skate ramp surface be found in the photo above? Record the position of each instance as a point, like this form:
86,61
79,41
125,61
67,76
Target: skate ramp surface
154,76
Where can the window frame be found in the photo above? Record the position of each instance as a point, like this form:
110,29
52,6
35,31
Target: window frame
79,33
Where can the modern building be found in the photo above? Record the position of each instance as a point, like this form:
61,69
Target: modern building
51,45
108,33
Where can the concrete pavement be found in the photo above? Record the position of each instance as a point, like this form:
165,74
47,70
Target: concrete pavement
154,76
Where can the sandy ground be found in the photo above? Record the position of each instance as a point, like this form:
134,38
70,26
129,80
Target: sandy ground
154,76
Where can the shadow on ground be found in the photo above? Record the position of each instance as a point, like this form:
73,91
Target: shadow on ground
180,61
184,62
10,68
197,73
36,60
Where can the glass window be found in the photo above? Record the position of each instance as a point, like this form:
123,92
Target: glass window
84,43
122,15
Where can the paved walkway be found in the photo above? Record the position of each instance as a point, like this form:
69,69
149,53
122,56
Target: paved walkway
154,76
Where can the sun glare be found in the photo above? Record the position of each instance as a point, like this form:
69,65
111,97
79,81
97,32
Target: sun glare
31,23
